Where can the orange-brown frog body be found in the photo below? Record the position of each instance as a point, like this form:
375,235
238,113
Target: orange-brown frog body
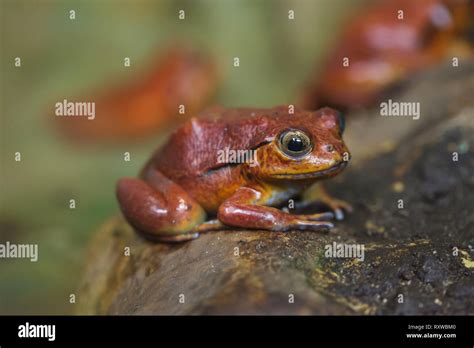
238,165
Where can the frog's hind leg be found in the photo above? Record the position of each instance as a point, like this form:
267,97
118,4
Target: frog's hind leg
210,226
159,208
174,239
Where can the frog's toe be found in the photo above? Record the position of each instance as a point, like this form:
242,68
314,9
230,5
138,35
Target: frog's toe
339,214
316,226
346,206
319,216
176,238
339,208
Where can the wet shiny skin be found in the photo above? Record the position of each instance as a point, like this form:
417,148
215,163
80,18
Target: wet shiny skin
184,183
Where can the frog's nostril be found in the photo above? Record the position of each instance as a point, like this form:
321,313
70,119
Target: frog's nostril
329,148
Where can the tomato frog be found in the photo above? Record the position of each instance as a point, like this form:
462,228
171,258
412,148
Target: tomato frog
188,179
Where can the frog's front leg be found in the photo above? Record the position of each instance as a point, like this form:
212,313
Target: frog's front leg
317,193
245,209
159,208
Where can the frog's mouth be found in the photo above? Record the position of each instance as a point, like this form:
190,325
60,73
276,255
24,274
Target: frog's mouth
335,169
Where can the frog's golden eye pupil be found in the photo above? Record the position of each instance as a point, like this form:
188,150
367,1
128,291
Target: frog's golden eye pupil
295,143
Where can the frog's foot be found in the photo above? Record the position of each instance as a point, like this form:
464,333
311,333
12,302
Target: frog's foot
307,225
326,216
209,226
174,238
306,222
316,194
338,206
245,209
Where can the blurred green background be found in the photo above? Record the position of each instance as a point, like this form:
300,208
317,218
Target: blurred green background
62,58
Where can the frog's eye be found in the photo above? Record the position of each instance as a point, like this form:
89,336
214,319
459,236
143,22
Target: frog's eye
341,120
294,143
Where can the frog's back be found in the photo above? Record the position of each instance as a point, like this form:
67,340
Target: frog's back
193,148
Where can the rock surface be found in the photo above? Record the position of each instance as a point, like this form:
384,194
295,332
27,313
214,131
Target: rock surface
417,259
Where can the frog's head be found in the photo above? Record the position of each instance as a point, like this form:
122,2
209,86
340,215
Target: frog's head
306,145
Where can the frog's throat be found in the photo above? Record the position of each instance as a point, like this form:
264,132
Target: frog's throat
335,169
